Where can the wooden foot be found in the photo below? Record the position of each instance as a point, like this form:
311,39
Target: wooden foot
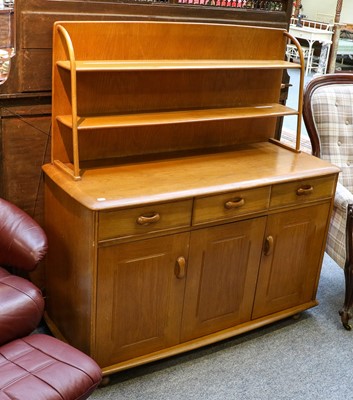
105,381
345,317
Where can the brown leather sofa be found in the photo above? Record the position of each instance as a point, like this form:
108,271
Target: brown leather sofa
33,366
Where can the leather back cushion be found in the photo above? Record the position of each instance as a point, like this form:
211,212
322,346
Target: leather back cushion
21,305
23,243
332,108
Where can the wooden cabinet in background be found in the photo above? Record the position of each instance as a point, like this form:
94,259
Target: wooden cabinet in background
175,218
25,146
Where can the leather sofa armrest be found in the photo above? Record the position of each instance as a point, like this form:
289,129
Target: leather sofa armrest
23,242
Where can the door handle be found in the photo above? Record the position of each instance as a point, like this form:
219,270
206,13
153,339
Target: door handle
305,190
268,247
180,267
148,219
235,203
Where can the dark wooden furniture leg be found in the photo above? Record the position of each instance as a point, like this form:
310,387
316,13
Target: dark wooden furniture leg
346,311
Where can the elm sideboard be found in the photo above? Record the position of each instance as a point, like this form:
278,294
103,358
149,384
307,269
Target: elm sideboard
175,218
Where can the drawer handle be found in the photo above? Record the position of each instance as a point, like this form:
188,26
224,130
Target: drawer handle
180,267
236,203
305,190
146,220
268,245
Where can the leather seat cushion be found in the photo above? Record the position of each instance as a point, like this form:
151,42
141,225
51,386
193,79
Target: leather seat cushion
21,306
40,367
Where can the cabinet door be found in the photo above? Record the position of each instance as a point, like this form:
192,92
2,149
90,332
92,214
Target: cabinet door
140,297
221,278
291,261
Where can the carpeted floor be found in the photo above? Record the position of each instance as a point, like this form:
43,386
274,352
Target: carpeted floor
306,359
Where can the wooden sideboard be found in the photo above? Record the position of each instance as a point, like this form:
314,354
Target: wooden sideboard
174,217
25,98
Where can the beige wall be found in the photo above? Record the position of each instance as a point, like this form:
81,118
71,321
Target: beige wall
325,10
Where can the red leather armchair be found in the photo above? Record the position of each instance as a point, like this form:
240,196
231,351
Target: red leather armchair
33,366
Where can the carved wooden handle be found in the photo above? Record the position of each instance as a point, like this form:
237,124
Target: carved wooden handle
235,203
180,267
305,190
268,245
150,219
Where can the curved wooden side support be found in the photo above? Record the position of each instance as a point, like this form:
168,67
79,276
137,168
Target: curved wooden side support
71,54
346,311
301,87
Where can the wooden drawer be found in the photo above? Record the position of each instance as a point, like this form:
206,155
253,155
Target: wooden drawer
302,191
140,220
230,205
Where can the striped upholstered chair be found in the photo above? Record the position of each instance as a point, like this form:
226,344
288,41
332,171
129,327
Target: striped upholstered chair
328,116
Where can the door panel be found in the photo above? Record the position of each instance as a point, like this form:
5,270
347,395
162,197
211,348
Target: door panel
222,273
289,272
140,297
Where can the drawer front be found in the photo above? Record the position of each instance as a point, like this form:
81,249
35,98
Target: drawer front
230,205
141,220
302,191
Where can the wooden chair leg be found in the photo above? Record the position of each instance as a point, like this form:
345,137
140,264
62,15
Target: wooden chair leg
346,311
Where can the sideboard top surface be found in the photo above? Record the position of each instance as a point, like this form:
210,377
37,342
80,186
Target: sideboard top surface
196,174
